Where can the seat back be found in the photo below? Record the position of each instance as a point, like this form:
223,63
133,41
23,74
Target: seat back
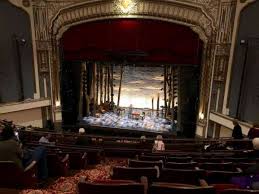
128,173
11,176
114,188
138,163
178,189
240,191
179,159
218,166
151,158
216,177
175,165
182,176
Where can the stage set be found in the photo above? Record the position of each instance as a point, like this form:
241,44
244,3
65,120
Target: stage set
130,75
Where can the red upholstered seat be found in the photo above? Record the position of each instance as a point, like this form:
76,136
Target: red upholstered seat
151,158
240,191
175,165
57,165
167,188
179,159
218,177
11,176
218,166
124,173
222,187
138,163
182,176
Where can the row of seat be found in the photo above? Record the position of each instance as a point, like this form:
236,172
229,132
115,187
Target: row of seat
129,187
114,141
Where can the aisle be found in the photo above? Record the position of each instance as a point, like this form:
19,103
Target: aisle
68,185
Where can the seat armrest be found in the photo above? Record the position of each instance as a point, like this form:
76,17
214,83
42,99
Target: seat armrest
31,166
84,155
65,159
203,183
144,181
239,170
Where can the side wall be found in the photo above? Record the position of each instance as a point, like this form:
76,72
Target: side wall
15,24
249,102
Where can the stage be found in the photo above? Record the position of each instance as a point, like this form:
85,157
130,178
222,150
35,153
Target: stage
135,125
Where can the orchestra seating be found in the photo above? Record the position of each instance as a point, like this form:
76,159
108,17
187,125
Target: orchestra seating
172,171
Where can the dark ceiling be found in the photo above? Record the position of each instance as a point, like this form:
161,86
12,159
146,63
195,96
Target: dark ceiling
133,40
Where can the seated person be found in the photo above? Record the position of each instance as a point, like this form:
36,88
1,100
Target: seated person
45,139
253,132
143,144
82,139
11,150
159,144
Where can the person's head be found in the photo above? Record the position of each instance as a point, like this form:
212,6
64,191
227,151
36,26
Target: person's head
159,138
7,133
256,125
48,136
81,131
255,142
143,138
235,122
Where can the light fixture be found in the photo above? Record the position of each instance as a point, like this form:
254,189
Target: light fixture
125,6
201,115
57,103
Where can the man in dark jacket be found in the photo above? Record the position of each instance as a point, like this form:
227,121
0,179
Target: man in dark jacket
237,131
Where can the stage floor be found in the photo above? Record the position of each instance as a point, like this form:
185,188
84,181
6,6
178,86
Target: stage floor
124,124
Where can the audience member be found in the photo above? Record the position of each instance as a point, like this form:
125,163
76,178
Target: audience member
45,139
82,139
11,150
143,144
159,144
253,132
237,131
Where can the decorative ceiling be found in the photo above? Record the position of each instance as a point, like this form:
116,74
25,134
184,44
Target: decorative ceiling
133,40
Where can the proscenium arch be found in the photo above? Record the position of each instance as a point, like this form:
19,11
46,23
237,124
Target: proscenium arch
181,13
174,11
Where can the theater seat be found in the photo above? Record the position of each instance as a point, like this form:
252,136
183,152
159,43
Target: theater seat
151,158
175,165
170,188
179,159
138,163
218,177
114,188
57,165
11,176
128,173
185,176
240,191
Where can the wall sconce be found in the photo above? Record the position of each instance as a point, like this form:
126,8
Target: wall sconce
57,103
201,115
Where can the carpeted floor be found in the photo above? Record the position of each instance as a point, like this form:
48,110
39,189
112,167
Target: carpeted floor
68,185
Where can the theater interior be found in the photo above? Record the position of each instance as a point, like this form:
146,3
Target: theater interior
129,96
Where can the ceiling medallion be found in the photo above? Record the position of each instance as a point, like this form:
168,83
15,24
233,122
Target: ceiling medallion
125,6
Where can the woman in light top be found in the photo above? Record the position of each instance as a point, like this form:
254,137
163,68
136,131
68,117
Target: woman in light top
159,144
